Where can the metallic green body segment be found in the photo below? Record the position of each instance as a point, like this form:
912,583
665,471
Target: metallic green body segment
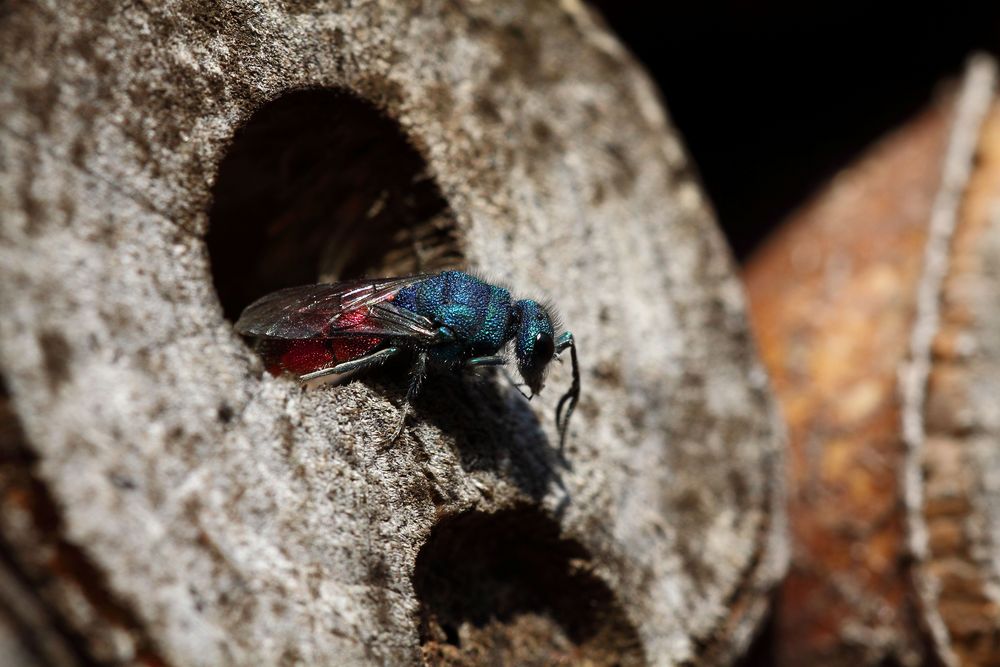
476,313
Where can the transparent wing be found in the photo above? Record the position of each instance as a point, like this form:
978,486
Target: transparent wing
390,320
336,309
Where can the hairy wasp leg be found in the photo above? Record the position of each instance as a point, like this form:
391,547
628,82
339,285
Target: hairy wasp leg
486,361
373,359
416,379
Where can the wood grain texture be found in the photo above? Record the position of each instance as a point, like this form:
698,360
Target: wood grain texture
172,504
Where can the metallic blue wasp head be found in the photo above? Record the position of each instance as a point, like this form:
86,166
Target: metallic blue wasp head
534,342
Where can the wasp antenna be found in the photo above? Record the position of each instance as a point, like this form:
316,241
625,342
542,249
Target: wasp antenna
570,398
515,384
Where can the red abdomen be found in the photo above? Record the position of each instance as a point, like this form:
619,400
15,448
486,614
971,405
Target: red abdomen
305,356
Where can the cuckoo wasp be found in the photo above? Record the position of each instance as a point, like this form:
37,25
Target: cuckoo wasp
450,320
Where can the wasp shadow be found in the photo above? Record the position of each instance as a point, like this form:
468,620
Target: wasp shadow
492,427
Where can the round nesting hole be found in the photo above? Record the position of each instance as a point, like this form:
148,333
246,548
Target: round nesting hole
506,589
320,186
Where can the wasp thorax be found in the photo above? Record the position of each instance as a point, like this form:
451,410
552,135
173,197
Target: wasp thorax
534,342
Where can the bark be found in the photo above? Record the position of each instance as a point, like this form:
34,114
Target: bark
164,501
872,311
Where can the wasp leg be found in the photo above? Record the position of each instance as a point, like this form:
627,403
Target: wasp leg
565,341
486,361
517,385
416,379
373,359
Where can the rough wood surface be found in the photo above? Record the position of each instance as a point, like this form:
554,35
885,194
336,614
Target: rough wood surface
845,305
954,451
163,501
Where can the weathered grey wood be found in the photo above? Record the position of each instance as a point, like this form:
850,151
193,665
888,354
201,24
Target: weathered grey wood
205,513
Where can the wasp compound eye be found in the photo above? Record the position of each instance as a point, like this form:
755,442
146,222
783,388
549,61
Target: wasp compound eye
544,346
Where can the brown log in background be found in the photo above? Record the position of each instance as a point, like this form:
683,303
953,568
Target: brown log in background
875,309
163,501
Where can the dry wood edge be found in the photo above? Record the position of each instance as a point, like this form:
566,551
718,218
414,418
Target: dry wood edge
958,457
976,97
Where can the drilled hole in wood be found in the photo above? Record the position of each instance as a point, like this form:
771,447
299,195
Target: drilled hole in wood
319,185
506,589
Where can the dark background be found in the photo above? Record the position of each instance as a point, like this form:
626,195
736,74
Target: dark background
772,98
